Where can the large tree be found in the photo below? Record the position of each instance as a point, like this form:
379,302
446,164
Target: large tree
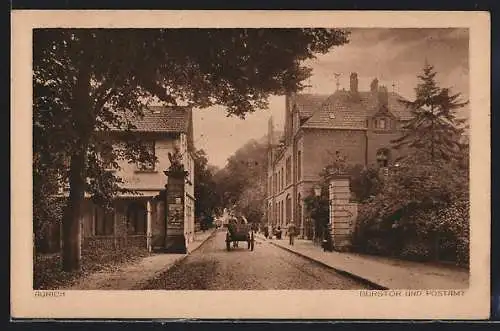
86,79
434,132
207,200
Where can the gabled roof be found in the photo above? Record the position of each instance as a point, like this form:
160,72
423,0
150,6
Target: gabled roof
345,110
340,110
397,108
163,119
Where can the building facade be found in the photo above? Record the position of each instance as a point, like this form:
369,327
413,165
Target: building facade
358,125
139,219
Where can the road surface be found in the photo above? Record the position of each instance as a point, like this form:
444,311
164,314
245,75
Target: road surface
268,267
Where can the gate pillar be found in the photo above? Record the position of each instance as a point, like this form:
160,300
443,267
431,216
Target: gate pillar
343,212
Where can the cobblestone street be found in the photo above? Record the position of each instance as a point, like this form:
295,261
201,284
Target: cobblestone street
211,267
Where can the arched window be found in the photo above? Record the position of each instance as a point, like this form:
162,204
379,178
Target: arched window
299,165
383,157
136,218
269,212
276,213
299,209
288,210
282,220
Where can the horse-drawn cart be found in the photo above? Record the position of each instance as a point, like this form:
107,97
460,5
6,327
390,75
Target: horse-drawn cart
239,232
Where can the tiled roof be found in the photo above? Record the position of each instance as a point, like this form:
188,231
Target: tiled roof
340,111
308,103
343,110
397,108
162,119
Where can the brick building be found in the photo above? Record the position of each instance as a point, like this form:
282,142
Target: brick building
140,219
358,125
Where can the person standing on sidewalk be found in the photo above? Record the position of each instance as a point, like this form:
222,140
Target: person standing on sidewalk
291,232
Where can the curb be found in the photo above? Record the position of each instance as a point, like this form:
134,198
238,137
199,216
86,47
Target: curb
201,244
174,263
340,271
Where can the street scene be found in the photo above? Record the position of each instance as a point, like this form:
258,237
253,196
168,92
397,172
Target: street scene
251,159
266,268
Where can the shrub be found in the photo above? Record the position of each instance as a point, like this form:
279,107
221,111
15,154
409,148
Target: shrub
417,250
421,212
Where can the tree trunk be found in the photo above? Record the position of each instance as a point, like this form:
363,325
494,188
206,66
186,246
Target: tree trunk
83,126
72,214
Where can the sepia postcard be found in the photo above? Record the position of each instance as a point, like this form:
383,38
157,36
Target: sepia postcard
250,164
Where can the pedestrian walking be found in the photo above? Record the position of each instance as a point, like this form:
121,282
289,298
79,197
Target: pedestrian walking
291,230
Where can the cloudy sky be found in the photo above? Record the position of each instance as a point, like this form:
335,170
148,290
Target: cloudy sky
394,56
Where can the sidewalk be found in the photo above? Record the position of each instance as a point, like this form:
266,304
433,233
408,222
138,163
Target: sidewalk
383,273
132,276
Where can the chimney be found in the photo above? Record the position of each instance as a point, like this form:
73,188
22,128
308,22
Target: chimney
354,82
383,97
374,85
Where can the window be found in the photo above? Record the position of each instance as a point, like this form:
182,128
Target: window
288,209
381,123
275,184
299,165
299,209
288,170
282,178
149,148
276,212
104,222
278,182
278,219
136,218
282,212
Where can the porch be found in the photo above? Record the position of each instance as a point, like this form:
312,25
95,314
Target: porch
130,222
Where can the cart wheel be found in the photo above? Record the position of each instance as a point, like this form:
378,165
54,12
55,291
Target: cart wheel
252,244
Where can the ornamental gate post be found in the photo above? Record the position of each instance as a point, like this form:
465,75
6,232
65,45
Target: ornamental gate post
343,212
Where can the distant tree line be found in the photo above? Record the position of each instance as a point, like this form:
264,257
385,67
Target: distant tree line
242,182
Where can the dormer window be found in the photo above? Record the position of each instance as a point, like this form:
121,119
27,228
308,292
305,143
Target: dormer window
381,123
